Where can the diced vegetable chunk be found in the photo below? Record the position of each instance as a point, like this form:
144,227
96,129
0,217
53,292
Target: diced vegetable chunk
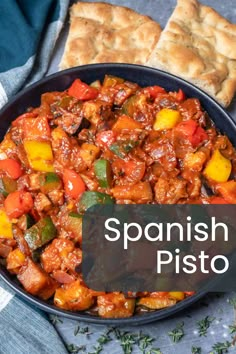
40,233
5,225
89,199
89,153
125,122
18,203
166,119
111,81
49,182
218,168
11,167
103,172
15,260
36,281
115,306
7,185
73,184
228,191
140,192
35,128
40,155
82,91
156,303
178,295
74,297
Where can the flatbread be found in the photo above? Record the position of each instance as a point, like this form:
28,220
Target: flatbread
101,32
199,45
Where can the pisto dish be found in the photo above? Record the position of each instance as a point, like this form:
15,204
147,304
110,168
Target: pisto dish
108,142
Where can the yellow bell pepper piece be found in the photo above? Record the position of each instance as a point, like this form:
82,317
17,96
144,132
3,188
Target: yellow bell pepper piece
177,295
166,119
40,155
5,225
218,168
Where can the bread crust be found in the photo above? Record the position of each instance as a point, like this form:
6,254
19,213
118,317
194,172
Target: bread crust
199,45
101,32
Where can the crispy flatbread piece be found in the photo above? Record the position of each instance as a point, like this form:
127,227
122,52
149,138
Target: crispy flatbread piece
199,45
101,32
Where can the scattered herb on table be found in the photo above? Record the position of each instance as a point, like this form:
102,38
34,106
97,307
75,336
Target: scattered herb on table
97,349
144,341
196,350
221,348
55,319
104,339
204,324
83,330
232,328
177,333
72,348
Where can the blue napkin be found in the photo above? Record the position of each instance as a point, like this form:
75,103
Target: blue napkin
24,328
28,33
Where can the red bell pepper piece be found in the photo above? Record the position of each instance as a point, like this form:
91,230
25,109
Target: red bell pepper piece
218,200
73,184
154,91
82,91
192,131
189,293
18,203
21,118
11,167
105,138
180,95
227,190
34,128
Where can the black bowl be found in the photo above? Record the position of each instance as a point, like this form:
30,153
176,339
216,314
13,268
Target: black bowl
144,76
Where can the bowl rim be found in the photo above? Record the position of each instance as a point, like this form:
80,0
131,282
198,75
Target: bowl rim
147,317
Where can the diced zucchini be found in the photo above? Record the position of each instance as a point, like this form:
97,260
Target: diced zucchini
49,182
133,103
110,81
75,215
7,185
65,102
103,173
74,225
41,233
25,222
90,198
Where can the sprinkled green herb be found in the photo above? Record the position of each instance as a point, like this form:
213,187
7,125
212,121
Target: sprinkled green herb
126,341
84,330
221,348
177,333
232,329
97,349
204,324
105,338
55,319
196,350
144,341
72,348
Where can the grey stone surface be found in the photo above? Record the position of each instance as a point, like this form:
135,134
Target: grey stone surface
212,305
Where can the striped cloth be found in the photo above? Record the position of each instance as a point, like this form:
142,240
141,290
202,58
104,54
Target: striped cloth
29,30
